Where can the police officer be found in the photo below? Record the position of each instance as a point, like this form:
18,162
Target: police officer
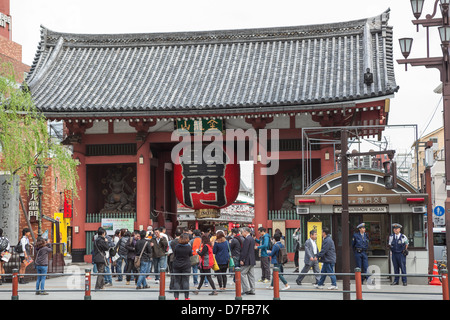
398,244
360,245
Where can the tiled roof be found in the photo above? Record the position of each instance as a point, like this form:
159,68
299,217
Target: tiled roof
237,70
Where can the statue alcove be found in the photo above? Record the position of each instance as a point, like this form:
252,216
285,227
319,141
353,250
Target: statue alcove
111,188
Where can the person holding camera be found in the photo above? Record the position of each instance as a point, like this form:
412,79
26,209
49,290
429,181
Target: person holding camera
398,244
43,248
360,245
99,257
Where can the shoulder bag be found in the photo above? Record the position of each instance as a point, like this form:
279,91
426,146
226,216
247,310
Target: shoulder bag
102,254
194,259
137,259
231,262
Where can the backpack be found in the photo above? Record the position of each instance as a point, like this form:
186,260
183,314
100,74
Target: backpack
270,245
18,248
282,257
3,244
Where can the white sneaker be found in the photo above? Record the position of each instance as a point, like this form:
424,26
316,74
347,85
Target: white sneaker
320,287
269,287
286,287
333,288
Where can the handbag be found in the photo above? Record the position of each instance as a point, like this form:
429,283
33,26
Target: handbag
194,259
215,266
137,259
101,253
231,262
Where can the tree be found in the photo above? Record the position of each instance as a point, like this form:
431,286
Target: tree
24,138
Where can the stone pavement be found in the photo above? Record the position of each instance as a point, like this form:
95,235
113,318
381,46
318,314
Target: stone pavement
71,287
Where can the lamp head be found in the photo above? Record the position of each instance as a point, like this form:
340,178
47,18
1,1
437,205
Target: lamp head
417,7
405,46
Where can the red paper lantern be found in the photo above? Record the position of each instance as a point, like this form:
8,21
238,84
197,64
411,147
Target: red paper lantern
207,186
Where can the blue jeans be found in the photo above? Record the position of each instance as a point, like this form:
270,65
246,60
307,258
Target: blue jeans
195,270
119,269
280,276
142,282
159,263
40,281
327,268
108,278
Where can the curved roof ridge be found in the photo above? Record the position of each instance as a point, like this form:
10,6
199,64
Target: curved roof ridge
50,37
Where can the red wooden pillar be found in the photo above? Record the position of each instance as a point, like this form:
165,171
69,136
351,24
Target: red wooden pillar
143,186
261,202
79,204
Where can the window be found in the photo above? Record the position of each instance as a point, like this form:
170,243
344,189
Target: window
439,239
413,228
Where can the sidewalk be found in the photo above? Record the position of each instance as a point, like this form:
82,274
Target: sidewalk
71,287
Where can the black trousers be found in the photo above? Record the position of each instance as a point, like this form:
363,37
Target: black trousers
100,283
206,273
221,277
181,282
131,269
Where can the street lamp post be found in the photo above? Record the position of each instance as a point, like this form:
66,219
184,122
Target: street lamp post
442,64
40,172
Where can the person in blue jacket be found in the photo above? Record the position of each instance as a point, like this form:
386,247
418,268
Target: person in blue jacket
328,258
264,241
273,254
360,245
222,256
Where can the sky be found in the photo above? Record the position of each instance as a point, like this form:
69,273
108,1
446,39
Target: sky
414,104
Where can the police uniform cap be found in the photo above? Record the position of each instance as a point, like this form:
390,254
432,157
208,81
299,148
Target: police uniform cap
361,225
396,225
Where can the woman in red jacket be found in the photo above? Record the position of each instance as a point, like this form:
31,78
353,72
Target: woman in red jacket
206,263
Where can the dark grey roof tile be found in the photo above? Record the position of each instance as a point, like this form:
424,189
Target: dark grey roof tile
233,69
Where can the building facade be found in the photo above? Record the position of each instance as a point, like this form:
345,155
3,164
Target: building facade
53,193
122,97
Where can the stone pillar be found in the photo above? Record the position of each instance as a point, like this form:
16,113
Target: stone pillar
9,207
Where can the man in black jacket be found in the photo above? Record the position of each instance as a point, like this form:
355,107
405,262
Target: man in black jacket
99,258
247,262
143,249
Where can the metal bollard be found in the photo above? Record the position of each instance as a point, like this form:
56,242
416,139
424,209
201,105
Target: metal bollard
358,284
162,284
15,284
445,293
87,284
237,283
276,284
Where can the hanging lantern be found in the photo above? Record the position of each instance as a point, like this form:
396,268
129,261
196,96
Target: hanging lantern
206,185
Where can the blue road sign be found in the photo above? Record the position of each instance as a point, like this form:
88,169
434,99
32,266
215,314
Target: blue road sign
439,211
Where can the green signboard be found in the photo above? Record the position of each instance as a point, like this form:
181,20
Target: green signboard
199,127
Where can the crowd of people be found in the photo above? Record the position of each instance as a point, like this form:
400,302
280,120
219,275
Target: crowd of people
135,256
201,255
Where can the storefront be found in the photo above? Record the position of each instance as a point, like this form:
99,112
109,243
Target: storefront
369,202
238,214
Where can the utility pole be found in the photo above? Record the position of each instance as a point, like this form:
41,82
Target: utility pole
390,182
345,220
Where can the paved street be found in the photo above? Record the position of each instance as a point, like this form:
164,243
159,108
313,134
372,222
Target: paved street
72,288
